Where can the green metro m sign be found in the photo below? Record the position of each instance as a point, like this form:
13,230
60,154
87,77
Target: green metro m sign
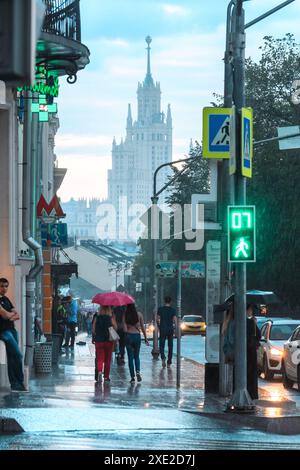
241,234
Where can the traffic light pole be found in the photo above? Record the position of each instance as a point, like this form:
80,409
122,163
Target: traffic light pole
241,400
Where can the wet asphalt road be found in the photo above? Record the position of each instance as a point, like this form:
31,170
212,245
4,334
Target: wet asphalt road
146,420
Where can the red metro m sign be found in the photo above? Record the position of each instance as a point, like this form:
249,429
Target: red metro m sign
53,209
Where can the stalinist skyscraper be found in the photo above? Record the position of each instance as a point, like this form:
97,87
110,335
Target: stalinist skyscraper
148,144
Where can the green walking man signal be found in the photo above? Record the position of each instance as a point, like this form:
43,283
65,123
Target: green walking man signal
241,234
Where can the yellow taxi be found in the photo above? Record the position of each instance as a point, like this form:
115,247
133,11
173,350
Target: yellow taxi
193,324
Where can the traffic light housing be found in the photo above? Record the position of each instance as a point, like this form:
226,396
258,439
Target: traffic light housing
241,234
20,26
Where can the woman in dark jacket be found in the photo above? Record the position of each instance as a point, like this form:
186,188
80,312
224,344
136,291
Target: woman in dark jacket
104,347
253,338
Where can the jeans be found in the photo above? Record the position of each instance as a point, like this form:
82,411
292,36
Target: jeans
70,334
162,340
14,357
133,346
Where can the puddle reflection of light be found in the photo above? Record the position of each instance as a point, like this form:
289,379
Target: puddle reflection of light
181,401
146,405
273,412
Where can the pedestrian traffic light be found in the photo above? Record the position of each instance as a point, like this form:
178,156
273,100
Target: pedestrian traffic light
241,234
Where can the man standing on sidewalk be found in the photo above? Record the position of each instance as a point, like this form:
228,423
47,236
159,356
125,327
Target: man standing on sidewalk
72,312
9,335
166,317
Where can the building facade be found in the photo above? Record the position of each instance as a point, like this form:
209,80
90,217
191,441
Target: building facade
81,217
148,144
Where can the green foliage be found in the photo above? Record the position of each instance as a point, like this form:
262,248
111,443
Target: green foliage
275,186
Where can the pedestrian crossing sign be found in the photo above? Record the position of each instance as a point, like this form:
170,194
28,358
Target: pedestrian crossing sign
247,142
216,137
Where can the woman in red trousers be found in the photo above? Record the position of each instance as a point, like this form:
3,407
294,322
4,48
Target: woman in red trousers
104,348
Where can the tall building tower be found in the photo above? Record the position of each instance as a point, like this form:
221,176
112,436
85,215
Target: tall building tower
148,144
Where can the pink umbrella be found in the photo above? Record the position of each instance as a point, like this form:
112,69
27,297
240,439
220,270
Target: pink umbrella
114,299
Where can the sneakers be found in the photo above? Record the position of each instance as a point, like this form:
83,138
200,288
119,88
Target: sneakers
107,381
163,363
169,364
138,377
132,381
99,378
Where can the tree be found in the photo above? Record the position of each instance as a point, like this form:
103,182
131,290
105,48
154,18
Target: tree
275,186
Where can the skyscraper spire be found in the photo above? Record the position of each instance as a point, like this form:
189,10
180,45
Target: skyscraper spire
148,80
129,117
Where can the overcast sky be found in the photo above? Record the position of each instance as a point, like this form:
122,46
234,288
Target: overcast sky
187,52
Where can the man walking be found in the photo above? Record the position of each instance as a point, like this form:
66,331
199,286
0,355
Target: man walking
9,335
72,312
166,317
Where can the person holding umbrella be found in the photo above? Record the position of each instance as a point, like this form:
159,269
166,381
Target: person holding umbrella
102,321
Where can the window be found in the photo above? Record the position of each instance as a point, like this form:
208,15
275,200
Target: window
282,332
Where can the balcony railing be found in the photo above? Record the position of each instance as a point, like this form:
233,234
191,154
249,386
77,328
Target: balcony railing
63,18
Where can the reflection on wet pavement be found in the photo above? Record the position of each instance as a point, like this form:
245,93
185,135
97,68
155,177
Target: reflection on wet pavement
72,380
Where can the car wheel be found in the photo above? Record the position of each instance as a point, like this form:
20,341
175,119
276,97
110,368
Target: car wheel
267,372
287,383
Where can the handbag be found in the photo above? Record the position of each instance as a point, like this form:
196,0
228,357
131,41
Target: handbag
113,335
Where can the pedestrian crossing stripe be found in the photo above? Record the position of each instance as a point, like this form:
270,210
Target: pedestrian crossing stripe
247,142
216,136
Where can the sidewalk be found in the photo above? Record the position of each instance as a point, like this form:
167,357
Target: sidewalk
71,385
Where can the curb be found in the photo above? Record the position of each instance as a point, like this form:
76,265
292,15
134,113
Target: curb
286,425
10,426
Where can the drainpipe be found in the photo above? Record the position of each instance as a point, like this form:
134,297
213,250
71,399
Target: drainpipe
29,155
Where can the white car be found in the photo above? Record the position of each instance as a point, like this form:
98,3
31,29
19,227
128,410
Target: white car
291,361
274,333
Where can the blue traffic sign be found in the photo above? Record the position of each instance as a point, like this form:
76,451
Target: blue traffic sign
216,137
54,235
247,142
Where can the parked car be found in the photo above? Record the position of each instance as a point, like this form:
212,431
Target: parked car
291,360
274,333
192,324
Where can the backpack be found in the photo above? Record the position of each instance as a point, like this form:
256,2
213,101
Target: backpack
228,343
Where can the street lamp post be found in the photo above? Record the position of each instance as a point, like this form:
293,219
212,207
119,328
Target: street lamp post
154,239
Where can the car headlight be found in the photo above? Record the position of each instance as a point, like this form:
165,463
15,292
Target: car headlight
182,326
276,352
151,328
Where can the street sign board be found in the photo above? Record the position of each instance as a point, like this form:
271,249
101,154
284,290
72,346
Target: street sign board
247,142
54,235
232,142
216,123
213,272
193,269
189,269
289,143
241,234
166,268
